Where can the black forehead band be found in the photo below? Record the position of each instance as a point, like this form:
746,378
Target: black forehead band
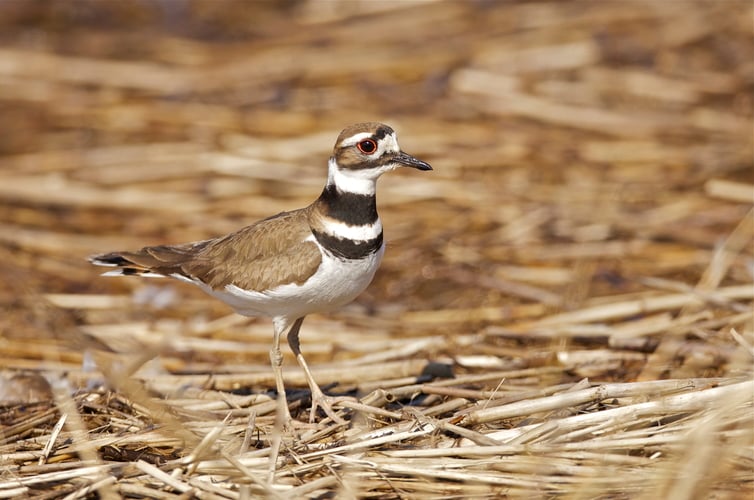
382,132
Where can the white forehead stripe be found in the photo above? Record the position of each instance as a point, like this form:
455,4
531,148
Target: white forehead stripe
389,143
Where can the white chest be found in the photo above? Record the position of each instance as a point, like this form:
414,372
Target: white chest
335,283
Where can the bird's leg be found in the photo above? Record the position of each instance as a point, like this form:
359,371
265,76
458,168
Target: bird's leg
276,359
283,418
318,397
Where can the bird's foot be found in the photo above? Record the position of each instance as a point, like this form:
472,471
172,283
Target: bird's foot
319,400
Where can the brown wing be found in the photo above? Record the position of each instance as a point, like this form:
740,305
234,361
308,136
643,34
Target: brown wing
259,257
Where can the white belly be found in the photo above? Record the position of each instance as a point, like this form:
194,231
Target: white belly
335,283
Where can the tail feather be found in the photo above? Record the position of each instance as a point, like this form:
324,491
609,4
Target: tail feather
152,262
112,259
130,271
125,266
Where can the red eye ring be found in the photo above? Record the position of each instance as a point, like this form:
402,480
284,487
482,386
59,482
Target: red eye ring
367,146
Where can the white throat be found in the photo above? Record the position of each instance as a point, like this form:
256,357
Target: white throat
362,181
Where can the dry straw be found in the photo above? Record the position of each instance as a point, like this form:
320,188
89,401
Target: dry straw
564,310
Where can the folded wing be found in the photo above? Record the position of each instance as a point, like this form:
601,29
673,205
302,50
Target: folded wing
260,257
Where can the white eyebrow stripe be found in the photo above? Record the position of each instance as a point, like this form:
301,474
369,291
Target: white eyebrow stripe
387,143
355,138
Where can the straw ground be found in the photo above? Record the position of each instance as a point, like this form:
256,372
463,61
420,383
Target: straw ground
565,306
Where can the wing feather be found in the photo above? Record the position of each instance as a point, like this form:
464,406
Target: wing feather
259,257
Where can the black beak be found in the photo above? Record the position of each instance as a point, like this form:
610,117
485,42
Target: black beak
409,161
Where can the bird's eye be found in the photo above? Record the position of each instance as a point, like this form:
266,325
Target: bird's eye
367,146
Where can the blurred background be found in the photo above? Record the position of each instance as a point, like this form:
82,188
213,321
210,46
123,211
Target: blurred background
580,148
586,155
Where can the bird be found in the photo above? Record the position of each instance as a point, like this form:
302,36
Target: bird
309,260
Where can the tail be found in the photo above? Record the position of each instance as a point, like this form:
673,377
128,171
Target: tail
175,261
124,265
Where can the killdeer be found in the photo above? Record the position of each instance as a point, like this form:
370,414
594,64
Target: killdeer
313,259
